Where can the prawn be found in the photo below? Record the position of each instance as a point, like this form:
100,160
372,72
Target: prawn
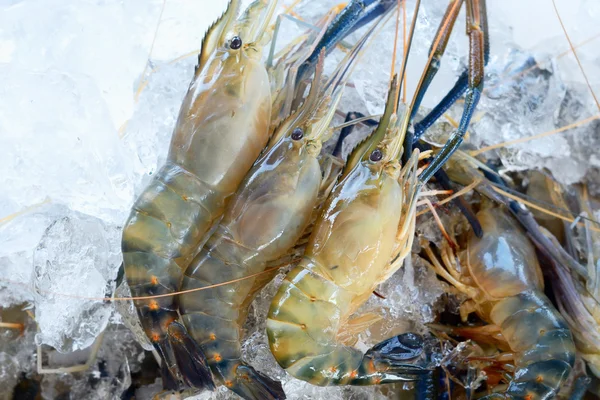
265,218
366,219
222,127
577,297
502,278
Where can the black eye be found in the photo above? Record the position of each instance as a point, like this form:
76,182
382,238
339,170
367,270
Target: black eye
297,134
376,155
236,43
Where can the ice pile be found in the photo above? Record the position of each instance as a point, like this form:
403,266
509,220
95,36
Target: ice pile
533,84
69,176
538,101
89,98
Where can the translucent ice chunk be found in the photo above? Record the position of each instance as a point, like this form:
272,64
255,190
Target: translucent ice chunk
77,258
148,132
18,237
74,38
109,375
527,97
81,164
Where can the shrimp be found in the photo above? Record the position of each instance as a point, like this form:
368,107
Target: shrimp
578,298
580,301
501,276
366,220
222,127
265,218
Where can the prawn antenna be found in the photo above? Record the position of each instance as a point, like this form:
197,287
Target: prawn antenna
406,51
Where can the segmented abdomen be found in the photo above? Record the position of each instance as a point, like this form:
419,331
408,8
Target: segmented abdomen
542,341
214,316
305,317
168,222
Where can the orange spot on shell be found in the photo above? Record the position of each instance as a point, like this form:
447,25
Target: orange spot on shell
217,357
539,379
154,280
303,326
212,336
333,369
353,374
153,305
155,337
528,397
228,383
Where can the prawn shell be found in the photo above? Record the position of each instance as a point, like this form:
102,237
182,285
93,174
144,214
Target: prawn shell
502,263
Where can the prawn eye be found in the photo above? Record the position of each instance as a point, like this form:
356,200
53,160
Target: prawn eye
376,155
236,42
297,134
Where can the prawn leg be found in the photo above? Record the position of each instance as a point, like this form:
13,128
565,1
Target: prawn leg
438,47
475,14
355,15
459,88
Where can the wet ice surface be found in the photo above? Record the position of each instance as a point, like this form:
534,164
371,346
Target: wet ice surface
86,121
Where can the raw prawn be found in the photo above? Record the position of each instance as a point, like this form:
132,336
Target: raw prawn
501,276
222,127
366,221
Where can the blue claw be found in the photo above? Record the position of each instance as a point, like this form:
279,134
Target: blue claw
354,16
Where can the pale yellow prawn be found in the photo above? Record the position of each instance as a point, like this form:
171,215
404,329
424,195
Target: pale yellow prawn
222,127
367,220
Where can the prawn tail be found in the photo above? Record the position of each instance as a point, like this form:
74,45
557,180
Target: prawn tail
253,385
169,380
190,358
534,328
401,356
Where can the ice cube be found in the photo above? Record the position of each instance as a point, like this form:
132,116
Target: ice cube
76,260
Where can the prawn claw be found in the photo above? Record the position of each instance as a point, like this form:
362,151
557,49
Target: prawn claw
254,385
190,358
401,355
406,346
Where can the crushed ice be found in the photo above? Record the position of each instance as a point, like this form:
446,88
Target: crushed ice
80,141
